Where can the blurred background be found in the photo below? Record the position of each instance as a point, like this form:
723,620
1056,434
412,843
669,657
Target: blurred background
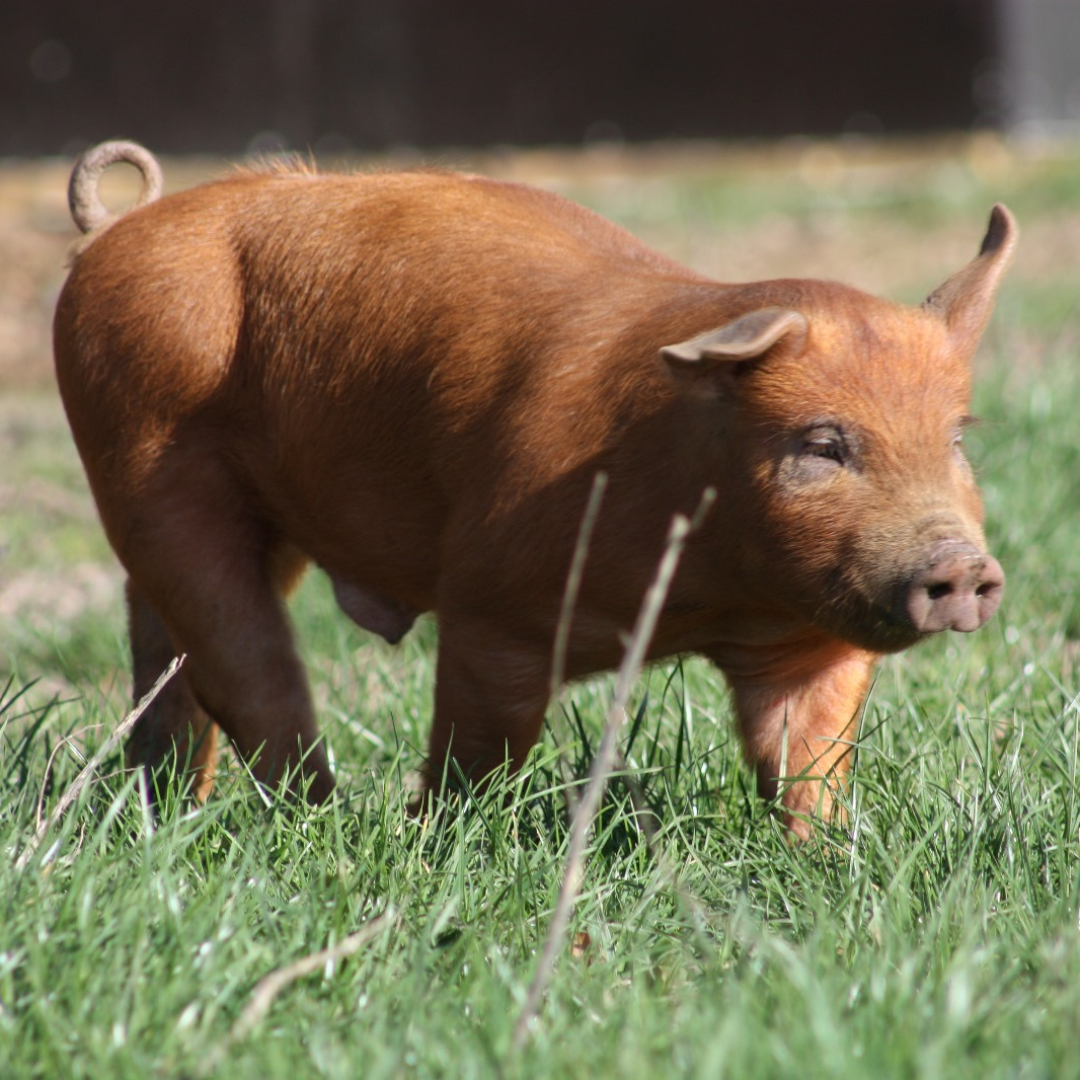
863,142
359,75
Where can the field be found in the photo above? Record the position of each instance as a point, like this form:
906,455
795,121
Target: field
937,935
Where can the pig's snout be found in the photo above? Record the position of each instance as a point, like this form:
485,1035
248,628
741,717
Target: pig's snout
960,588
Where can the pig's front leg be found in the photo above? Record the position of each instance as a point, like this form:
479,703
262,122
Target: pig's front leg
491,690
798,718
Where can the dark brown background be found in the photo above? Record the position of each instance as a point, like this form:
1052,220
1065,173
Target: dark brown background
229,75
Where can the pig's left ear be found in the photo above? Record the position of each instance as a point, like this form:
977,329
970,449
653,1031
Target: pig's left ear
723,352
967,298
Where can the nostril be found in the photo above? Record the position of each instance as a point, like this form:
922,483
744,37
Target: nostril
959,590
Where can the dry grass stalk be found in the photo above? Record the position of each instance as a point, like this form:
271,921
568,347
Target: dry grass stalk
80,781
573,581
629,670
269,986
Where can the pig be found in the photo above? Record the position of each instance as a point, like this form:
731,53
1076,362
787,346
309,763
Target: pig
411,379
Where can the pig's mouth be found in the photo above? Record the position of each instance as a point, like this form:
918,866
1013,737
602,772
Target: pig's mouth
956,587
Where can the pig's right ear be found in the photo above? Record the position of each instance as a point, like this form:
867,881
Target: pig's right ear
704,363
965,300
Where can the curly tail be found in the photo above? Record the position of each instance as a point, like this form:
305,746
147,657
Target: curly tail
86,206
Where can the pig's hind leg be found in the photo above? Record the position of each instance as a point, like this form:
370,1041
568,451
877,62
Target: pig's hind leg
174,726
799,722
208,581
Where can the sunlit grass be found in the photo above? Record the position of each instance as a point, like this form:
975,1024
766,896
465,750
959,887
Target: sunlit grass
936,935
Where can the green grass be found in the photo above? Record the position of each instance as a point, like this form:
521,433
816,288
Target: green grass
937,936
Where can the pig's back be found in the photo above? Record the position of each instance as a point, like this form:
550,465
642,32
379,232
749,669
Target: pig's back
366,350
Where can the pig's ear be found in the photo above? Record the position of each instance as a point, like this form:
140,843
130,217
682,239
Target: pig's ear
724,352
966,299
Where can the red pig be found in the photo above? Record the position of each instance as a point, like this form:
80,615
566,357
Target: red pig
411,379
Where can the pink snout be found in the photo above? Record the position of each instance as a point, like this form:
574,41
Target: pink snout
959,589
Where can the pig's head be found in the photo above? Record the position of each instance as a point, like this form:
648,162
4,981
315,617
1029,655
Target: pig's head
847,414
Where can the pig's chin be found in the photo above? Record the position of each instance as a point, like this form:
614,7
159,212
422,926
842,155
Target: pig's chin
891,637
873,626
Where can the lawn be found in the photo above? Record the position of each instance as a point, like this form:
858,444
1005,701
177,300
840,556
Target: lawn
936,935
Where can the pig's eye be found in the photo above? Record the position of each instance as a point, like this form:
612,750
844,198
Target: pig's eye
958,436
825,444
958,451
